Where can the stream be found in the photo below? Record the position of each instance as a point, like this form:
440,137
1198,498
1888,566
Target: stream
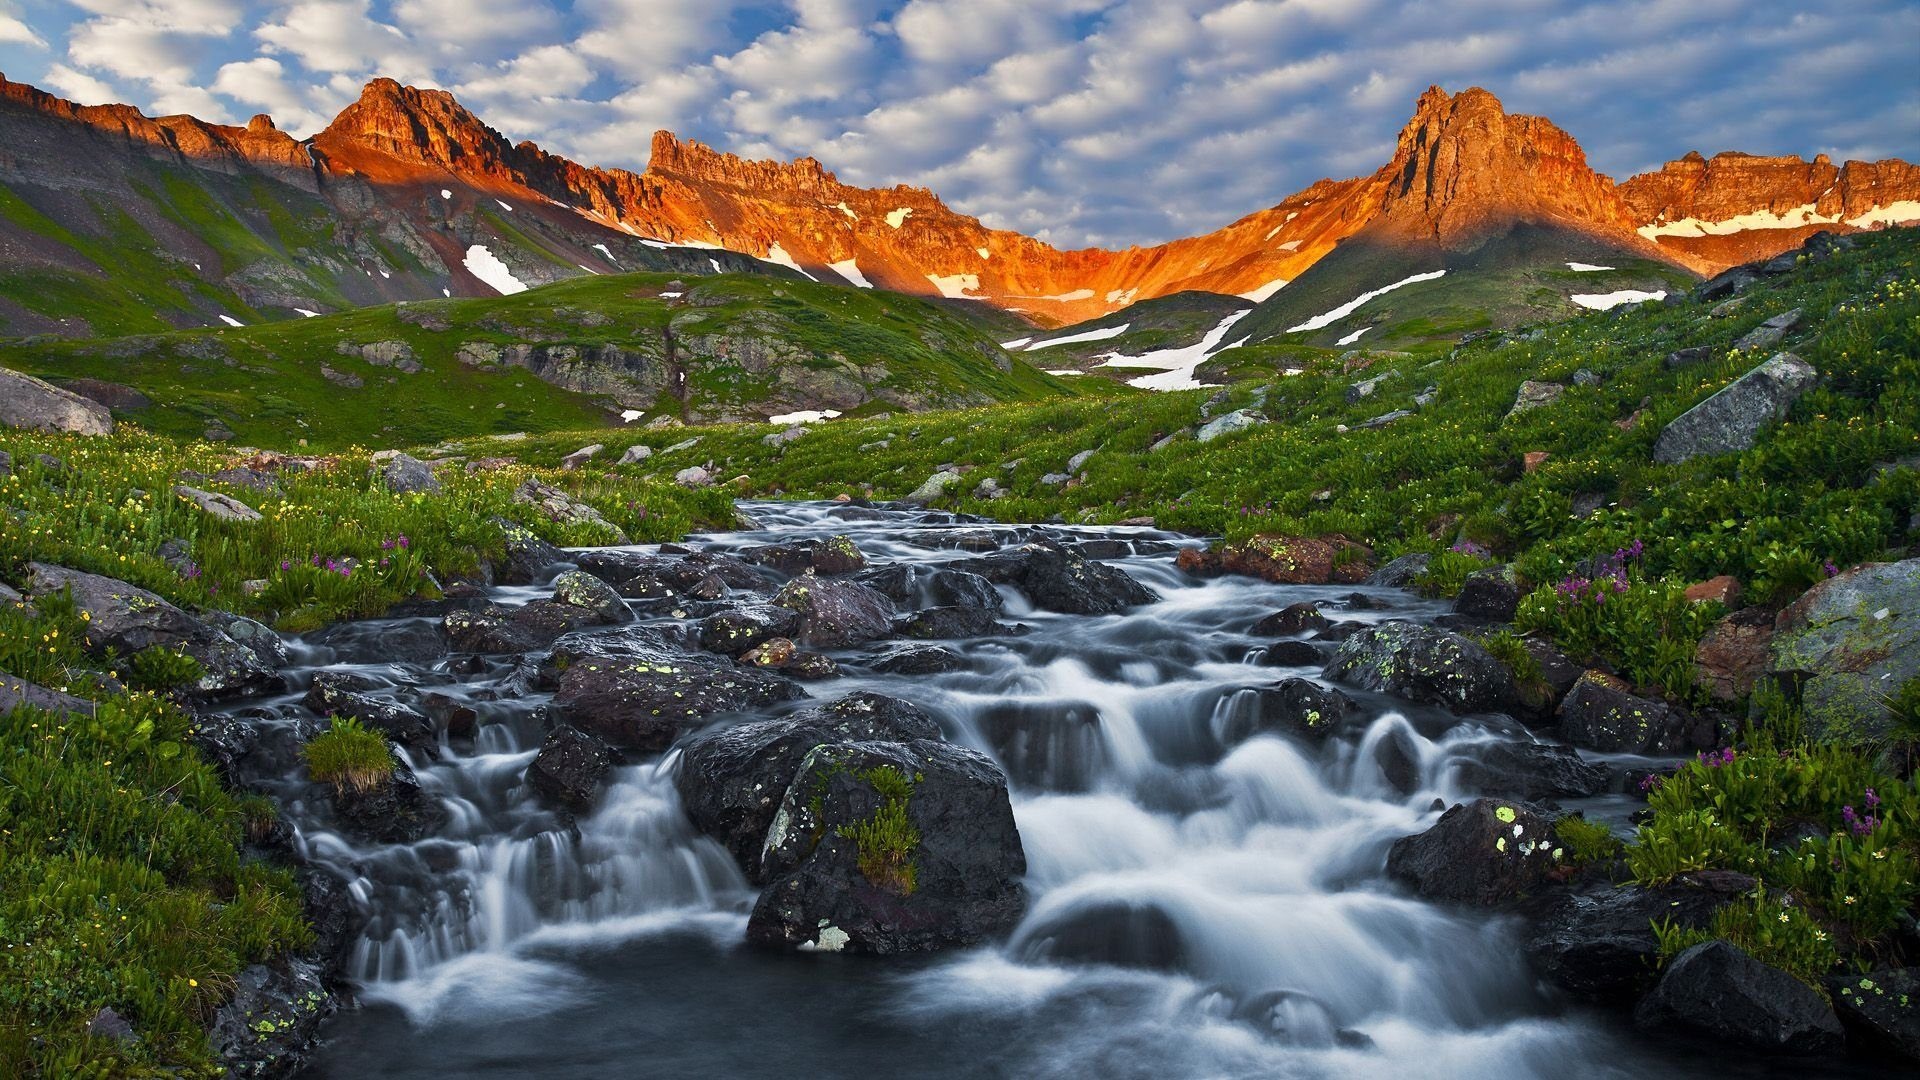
1201,874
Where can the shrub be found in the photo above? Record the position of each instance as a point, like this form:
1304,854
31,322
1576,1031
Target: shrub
1771,929
349,756
888,840
1587,842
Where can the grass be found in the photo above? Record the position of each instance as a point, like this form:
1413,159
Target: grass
349,756
887,840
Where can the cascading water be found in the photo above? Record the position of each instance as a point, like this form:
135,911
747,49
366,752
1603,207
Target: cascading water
1202,906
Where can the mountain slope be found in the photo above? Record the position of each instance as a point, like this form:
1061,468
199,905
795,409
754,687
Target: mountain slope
404,186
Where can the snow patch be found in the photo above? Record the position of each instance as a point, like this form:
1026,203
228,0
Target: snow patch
847,210
602,249
588,269
1896,213
446,292
983,253
1065,297
482,264
231,321
1015,343
956,286
305,313
778,256
504,206
1353,305
896,217
628,416
850,269
1090,335
804,416
1273,232
1063,372
1585,268
661,244
1760,219
1603,301
1265,291
1353,337
671,295
1291,245
715,263
1176,366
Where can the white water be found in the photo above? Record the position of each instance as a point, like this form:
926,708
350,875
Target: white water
1261,862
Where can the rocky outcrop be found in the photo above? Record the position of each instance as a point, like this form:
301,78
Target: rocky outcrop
1284,560
1715,991
1851,644
1598,943
559,507
643,706
1057,579
36,405
272,1021
1602,713
1732,419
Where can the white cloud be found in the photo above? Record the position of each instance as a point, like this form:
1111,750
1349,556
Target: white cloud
15,32
80,86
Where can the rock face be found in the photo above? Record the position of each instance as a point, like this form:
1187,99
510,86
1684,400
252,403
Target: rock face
568,770
1881,1010
1298,707
1424,664
1599,944
644,705
1851,642
129,619
1716,991
1733,419
1602,713
891,847
1285,560
36,405
1531,771
1484,852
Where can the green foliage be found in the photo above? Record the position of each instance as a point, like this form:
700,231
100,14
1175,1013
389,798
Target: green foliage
157,668
1648,629
887,840
1587,842
1447,571
349,756
1771,929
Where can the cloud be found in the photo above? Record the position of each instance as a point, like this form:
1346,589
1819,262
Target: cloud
15,32
80,86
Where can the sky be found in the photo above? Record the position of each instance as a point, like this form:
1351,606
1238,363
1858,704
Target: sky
1083,122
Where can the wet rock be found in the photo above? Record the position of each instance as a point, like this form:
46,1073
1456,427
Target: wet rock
887,848
272,1022
1291,1018
559,507
939,623
744,626
393,811
1299,707
129,619
1294,654
406,474
1291,621
1602,713
918,660
1398,760
327,901
648,577
914,586
1881,1010
1850,643
578,589
1423,664
568,771
1530,771
1486,852
529,628
256,637
415,641
1598,944
37,405
1732,419
1051,745
1402,573
341,694
644,706
1119,932
214,504
1284,560
1716,991
1735,653
1491,594
732,781
1056,579
773,653
835,614
827,558
529,558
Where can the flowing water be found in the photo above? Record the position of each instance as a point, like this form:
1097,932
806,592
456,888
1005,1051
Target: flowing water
509,945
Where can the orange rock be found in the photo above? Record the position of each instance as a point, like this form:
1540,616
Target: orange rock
1533,459
1286,560
1724,590
1734,654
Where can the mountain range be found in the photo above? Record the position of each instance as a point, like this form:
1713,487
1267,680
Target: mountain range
112,222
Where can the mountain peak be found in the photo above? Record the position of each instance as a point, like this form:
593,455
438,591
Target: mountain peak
428,127
691,160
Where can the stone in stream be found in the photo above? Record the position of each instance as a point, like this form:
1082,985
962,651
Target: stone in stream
733,780
743,626
1424,664
1050,745
1881,1010
1518,770
1299,707
341,694
581,590
529,558
911,585
949,622
1124,933
1056,579
569,769
644,705
393,811
272,1021
1598,943
1491,594
1486,852
835,614
525,629
129,619
1716,991
829,557
891,847
1602,713
918,660
1291,621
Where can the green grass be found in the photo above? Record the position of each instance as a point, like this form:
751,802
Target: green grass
349,756
887,840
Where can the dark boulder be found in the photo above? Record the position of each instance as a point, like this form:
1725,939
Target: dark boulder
834,555
1485,852
1598,944
578,589
1291,621
528,628
568,770
1530,771
645,705
1299,707
19,693
529,559
835,614
1119,932
1294,654
1602,713
917,586
394,811
1284,560
1881,1010
936,623
1490,594
341,694
733,780
739,628
1056,579
272,1021
1718,992
1398,760
888,848
1423,664
918,660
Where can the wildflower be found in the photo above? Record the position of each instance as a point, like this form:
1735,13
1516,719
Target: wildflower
1846,899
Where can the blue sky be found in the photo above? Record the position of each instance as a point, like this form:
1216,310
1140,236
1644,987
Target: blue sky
1082,121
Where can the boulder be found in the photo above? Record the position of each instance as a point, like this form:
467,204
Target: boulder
525,629
1123,933
1402,573
1716,991
396,811
1723,590
578,589
1735,653
1530,771
1291,621
1292,653
404,473
835,614
1486,852
732,781
36,405
568,771
214,504
1491,594
918,660
1284,560
1424,664
1769,333
1688,357
1732,419
1602,713
1851,643
19,693
1298,707
947,622
271,1023
129,619
1534,395
343,694
644,706
891,847
932,488
581,456
636,454
914,586
693,476
1239,420
1598,944
529,558
832,556
1056,579
559,507
744,626
1881,1010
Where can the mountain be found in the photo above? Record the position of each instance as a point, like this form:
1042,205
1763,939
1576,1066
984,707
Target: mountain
113,222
